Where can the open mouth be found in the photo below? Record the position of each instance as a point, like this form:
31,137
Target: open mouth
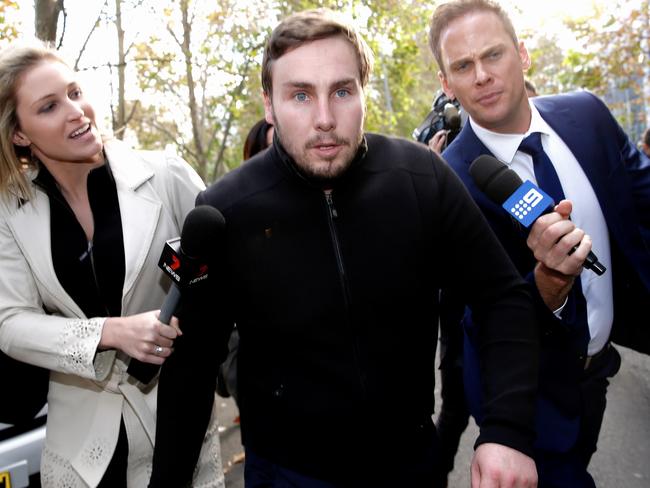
80,131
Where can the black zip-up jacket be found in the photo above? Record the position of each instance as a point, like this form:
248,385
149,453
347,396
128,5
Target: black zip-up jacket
335,295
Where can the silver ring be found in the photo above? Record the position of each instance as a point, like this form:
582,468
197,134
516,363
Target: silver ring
158,350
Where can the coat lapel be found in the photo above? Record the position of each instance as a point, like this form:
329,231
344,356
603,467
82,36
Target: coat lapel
139,208
31,227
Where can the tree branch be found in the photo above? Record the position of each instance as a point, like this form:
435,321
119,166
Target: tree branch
83,47
61,7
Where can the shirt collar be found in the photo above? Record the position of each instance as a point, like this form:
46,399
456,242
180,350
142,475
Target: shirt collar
504,146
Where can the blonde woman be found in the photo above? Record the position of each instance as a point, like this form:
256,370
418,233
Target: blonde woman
82,225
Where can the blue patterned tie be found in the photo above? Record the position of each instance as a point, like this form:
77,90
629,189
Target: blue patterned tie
575,312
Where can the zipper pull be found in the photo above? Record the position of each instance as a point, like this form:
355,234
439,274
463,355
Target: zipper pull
330,204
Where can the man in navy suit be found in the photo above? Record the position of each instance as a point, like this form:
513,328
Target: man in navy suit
606,185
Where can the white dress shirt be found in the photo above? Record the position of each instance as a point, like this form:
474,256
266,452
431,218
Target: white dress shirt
586,213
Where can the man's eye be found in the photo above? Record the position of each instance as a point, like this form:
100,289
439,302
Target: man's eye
301,97
342,93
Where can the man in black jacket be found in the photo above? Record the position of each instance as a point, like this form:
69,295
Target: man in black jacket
336,246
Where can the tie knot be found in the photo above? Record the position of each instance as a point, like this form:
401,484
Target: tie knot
532,144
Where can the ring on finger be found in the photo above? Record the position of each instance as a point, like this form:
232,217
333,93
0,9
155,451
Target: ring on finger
158,350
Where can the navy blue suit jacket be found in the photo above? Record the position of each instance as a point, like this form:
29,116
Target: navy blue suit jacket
620,177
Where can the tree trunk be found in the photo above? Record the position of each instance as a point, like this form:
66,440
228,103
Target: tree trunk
46,19
119,124
197,128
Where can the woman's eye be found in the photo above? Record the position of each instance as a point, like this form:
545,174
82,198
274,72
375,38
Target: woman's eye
47,107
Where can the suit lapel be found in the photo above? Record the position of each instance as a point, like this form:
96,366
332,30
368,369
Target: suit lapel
139,208
470,148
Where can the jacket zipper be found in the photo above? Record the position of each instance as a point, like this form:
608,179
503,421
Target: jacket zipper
332,215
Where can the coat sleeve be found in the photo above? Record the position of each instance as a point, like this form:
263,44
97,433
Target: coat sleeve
478,271
29,334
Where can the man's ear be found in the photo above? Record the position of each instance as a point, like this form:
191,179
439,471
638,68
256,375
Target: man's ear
268,109
19,139
445,86
524,56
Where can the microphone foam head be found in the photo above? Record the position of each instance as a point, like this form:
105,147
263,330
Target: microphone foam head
494,178
202,231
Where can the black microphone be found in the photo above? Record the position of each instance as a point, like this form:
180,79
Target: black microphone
184,260
523,201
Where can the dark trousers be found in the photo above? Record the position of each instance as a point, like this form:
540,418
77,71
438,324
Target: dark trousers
115,475
419,472
569,470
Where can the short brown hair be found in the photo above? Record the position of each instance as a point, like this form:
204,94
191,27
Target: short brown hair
15,60
448,12
308,26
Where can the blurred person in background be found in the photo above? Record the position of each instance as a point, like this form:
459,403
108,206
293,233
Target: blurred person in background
82,224
259,138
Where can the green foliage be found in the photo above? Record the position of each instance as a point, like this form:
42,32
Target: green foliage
8,30
612,46
547,68
580,71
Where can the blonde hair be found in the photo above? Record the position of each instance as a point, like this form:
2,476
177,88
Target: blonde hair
308,26
15,60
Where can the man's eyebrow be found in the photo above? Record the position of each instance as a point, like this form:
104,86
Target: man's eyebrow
298,84
306,84
482,53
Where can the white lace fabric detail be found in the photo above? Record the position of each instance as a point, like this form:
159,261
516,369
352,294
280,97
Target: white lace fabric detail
98,453
78,345
57,472
209,471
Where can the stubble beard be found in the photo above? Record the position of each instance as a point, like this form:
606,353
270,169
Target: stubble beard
321,169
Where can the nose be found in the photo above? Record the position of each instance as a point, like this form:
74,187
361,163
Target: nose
325,119
75,110
482,75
